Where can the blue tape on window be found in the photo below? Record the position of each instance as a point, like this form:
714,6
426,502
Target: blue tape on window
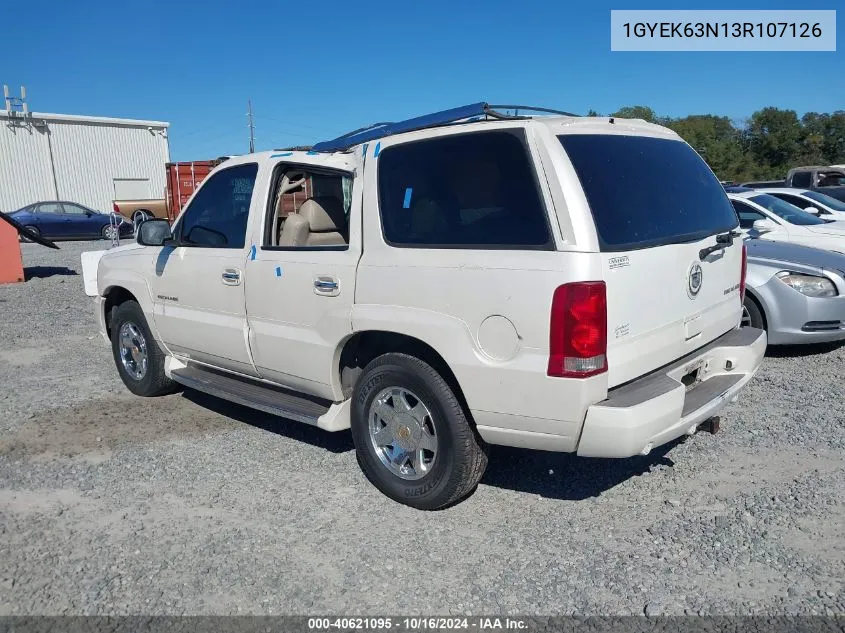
278,271
252,252
377,150
407,203
309,153
281,155
364,150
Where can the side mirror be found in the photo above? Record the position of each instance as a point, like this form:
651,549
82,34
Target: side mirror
813,210
154,232
764,226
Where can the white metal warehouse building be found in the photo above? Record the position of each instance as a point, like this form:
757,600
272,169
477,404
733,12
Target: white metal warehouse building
90,160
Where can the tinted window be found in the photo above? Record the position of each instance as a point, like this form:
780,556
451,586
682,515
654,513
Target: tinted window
788,212
831,203
463,190
747,215
646,192
217,216
793,200
802,179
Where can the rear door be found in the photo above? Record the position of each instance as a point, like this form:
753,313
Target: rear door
50,219
299,295
658,210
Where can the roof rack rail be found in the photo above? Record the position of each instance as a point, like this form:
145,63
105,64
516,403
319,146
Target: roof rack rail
445,117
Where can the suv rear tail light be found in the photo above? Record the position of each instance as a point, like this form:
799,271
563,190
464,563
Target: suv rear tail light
115,208
743,273
578,330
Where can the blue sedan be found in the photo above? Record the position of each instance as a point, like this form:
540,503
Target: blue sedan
68,220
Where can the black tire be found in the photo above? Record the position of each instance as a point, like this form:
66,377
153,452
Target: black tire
153,382
755,314
104,232
31,229
461,457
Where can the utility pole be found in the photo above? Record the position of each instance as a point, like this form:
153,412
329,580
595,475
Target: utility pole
251,129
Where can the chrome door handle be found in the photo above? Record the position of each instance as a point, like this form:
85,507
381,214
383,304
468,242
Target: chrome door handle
326,285
231,276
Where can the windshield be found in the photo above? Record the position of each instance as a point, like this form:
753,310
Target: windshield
645,192
830,203
786,211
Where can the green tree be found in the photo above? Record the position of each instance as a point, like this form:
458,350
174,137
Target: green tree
774,137
636,112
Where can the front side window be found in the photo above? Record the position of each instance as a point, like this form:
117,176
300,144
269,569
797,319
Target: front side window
73,209
831,179
475,190
218,215
789,212
645,192
747,215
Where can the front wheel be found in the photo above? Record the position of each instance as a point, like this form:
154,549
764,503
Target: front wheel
109,232
752,315
139,360
412,436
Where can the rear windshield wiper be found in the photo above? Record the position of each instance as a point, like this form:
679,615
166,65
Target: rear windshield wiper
723,240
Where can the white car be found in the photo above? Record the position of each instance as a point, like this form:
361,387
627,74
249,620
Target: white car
773,219
812,202
461,279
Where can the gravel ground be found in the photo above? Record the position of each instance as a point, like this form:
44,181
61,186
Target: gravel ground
112,504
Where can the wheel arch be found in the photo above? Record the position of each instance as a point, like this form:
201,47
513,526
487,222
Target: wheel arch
761,305
362,347
115,296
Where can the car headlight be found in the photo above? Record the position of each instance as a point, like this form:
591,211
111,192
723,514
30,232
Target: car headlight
809,285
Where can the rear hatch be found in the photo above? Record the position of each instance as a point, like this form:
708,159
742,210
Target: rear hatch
657,209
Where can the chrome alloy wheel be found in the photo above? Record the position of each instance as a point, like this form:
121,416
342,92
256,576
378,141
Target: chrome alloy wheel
745,320
402,433
133,350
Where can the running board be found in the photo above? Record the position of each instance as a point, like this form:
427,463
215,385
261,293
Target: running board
257,395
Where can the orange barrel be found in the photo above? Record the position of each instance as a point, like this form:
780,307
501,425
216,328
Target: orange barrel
11,262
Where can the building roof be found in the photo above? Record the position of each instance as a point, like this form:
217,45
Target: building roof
76,118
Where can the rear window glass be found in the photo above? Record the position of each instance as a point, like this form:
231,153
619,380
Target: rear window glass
464,191
646,192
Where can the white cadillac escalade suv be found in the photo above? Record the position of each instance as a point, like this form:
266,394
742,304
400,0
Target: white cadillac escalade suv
437,285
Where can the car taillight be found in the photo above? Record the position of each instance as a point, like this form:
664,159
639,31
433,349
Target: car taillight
578,330
743,273
115,208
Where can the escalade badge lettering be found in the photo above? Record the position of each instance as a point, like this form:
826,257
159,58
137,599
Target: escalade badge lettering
694,279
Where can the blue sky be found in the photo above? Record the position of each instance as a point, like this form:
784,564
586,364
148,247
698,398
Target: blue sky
315,70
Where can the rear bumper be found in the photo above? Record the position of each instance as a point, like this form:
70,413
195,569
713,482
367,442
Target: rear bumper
657,408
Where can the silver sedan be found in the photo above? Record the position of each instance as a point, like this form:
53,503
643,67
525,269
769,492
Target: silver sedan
796,293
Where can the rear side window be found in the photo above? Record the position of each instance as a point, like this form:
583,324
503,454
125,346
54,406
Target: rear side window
645,192
802,179
474,190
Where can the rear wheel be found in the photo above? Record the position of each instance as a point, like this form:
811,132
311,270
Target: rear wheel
412,437
752,316
32,229
139,360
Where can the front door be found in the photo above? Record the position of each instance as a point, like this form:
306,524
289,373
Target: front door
198,284
300,295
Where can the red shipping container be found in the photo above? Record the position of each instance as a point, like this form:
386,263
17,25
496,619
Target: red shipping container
182,181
